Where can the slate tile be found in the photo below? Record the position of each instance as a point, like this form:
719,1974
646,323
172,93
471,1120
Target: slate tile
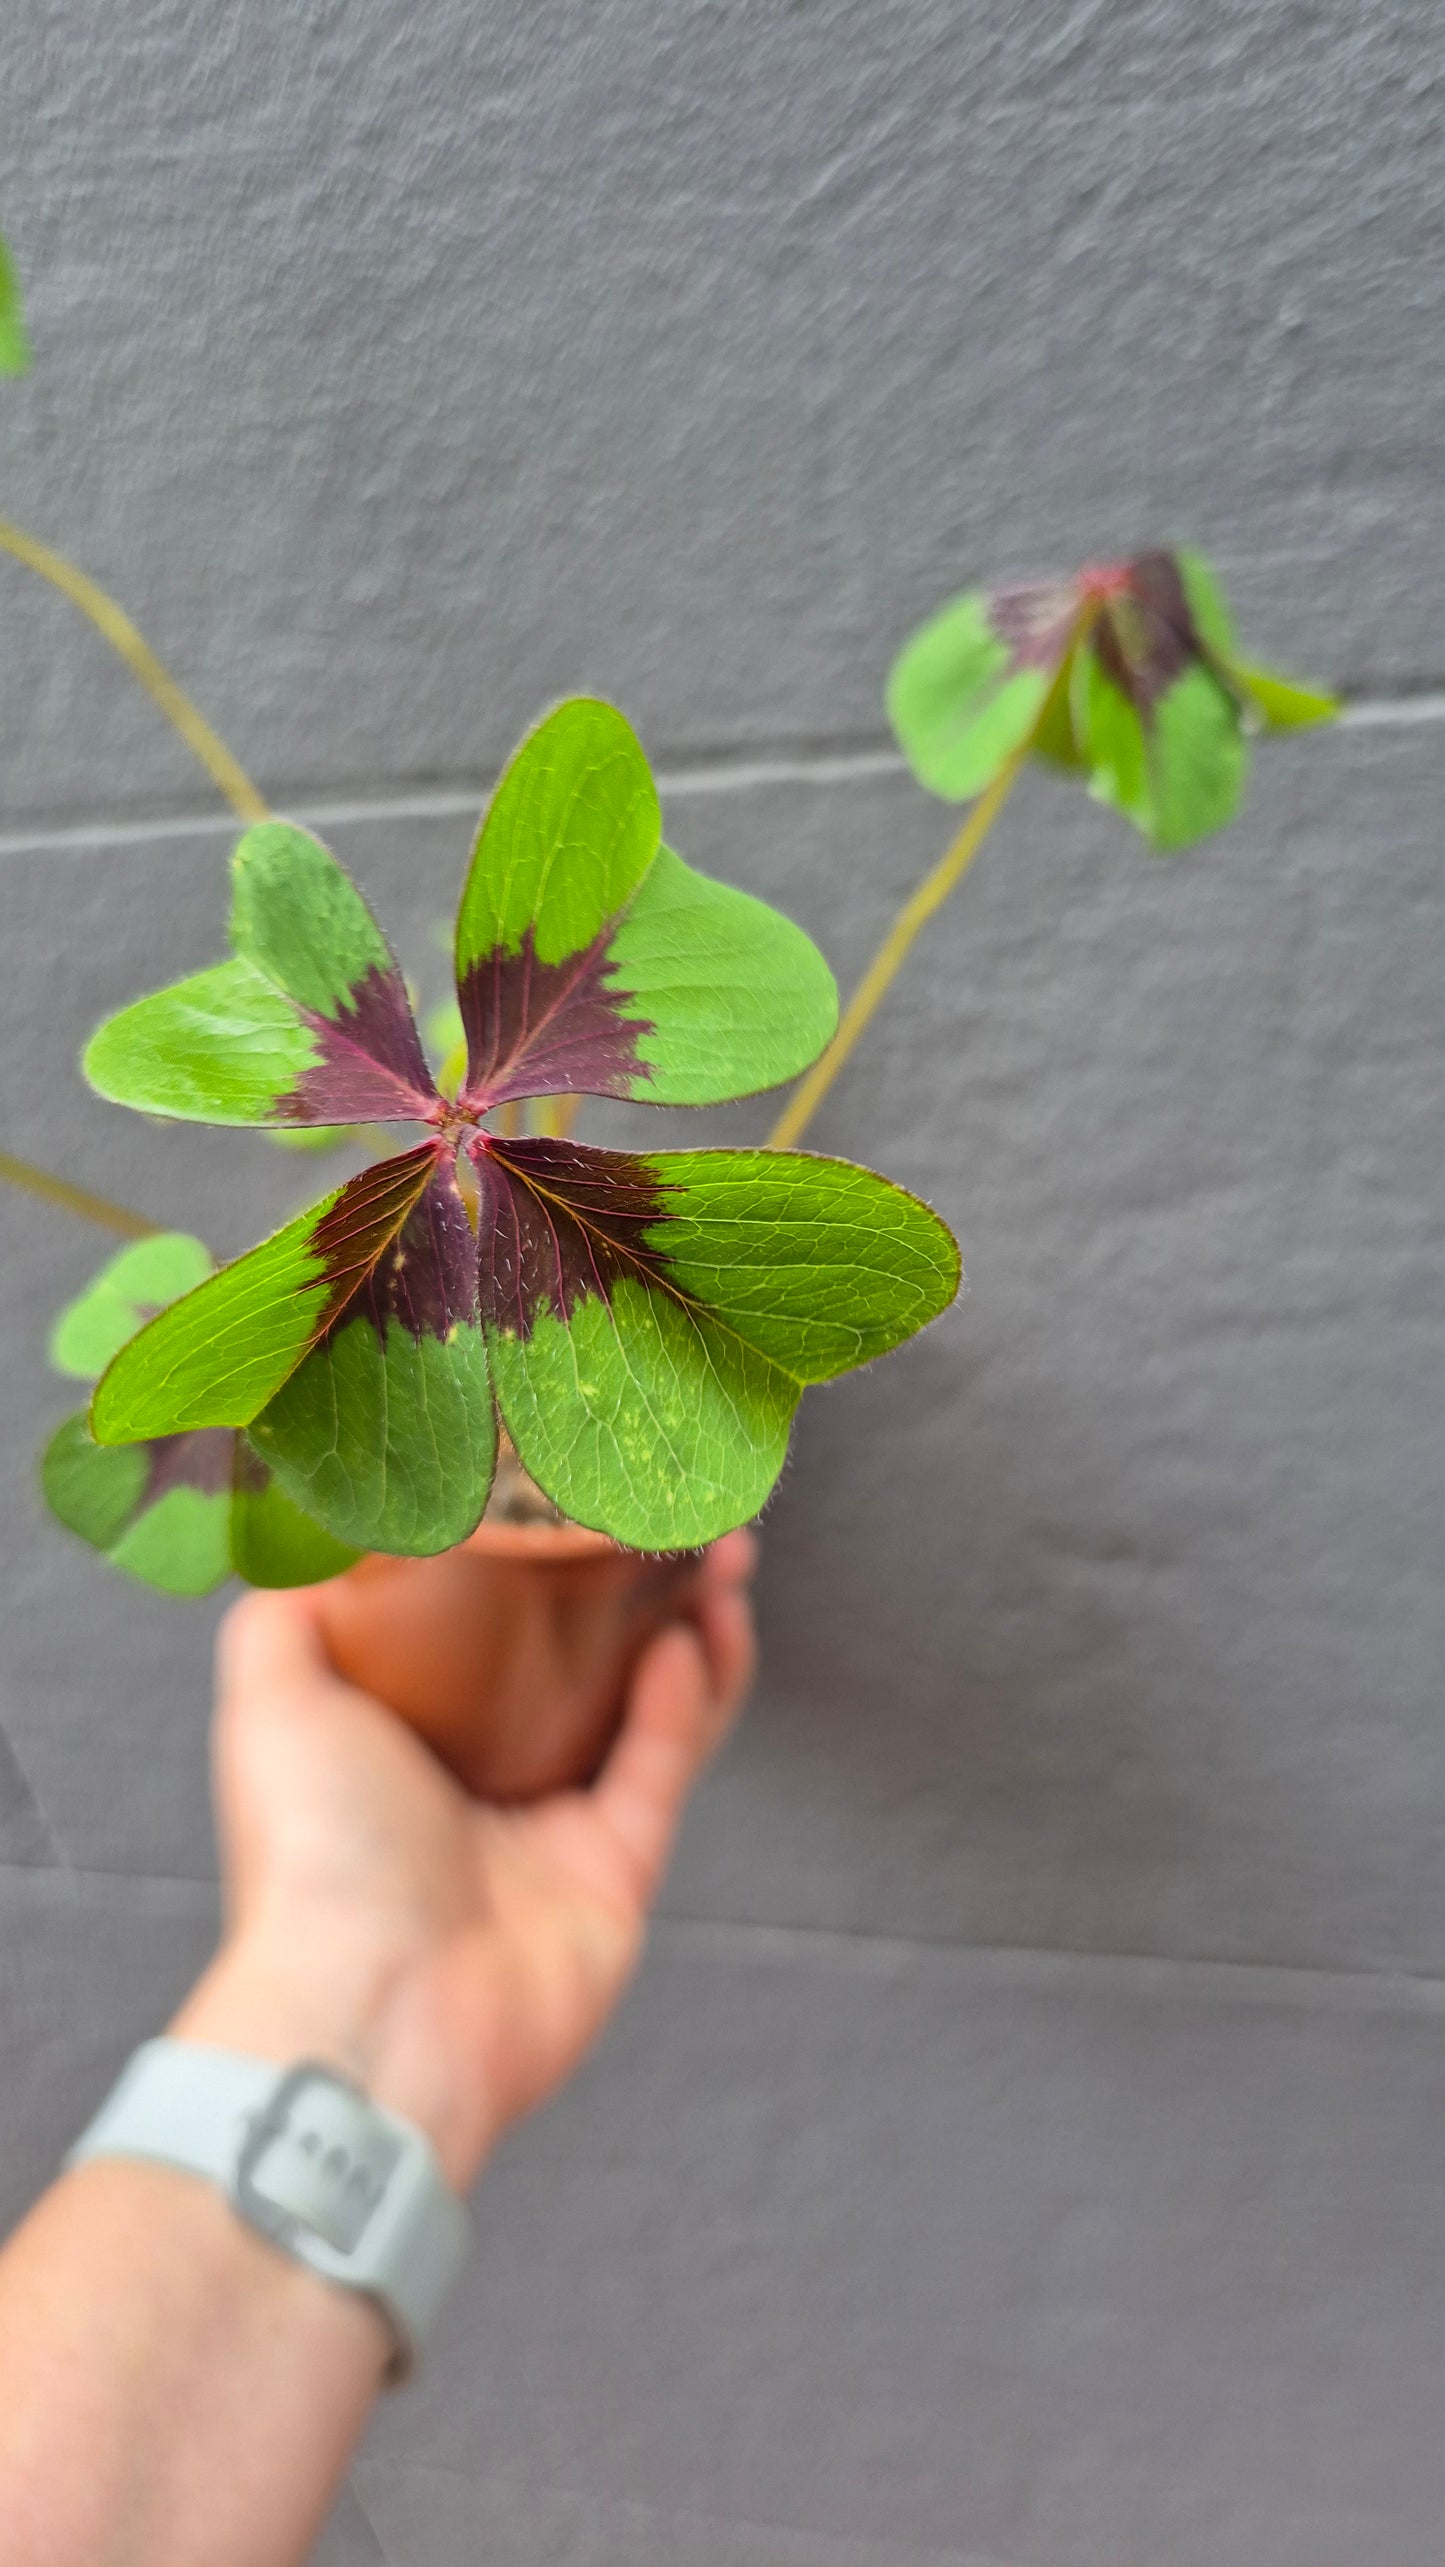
434,2518
944,2252
889,2257
349,2538
691,358
88,1968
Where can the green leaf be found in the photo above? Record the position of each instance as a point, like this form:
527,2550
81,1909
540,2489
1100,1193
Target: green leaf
311,1138
659,1427
1178,771
181,1544
299,918
94,1489
733,996
224,1046
1212,620
216,1356
390,1442
1281,704
682,992
154,1512
571,830
137,1281
311,1025
182,1513
14,337
386,1434
272,1543
958,700
652,1321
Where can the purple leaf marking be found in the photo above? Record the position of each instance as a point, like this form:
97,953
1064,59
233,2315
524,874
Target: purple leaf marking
558,1222
352,1237
1145,636
372,1068
1034,618
427,1279
547,1029
201,1460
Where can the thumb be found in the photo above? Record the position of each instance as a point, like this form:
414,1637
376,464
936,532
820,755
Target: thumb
270,1643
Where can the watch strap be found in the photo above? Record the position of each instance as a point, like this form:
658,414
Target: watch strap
349,2189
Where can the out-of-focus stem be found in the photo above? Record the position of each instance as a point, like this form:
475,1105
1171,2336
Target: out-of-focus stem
878,978
556,1115
74,1198
224,771
930,895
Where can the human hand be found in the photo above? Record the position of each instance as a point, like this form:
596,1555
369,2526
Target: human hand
510,1660
457,1958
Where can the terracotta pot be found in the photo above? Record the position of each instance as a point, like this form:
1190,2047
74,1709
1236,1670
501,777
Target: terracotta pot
510,1655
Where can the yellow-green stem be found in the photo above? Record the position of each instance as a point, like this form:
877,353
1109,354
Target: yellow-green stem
224,771
556,1115
878,978
74,1198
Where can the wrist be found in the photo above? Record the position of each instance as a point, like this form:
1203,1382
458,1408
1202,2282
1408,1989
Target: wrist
357,1999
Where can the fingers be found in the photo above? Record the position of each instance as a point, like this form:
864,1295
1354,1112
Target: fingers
730,1562
277,1693
269,1640
685,1693
724,1622
665,1741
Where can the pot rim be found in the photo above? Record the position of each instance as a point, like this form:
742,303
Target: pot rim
557,1544
548,1542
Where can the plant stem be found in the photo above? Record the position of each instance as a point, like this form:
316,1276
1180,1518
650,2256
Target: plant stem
224,771
876,981
556,1115
75,1198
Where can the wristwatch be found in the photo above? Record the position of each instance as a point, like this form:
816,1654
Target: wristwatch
306,2158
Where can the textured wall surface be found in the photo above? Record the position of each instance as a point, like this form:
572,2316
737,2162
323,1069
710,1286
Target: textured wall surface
1023,2149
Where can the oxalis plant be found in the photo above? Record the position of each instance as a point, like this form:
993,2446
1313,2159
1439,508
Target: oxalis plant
644,1322
1126,674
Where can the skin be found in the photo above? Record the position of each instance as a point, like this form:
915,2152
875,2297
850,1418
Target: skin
172,2388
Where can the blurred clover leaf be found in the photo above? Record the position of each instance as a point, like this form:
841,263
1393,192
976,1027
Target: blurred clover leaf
179,1512
1128,673
644,1322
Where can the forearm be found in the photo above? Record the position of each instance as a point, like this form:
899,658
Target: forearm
174,2391
172,2388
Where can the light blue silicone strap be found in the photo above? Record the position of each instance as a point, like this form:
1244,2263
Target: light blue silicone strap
349,2189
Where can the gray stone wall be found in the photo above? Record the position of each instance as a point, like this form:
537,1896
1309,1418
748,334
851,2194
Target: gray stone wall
1023,2149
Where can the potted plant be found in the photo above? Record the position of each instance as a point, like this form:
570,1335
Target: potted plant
548,1371
643,1324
